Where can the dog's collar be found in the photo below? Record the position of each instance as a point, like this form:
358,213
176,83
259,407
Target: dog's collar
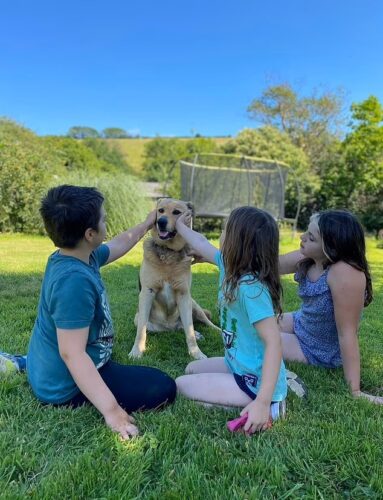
163,252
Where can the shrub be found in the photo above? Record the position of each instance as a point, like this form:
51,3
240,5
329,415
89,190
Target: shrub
24,173
71,154
22,182
29,165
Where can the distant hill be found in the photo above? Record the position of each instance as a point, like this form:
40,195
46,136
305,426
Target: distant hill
133,149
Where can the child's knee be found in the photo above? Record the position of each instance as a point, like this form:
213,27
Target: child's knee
190,369
181,383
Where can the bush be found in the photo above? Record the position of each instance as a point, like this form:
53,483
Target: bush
71,154
29,165
24,167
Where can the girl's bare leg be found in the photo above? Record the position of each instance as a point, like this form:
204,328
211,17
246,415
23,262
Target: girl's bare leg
286,323
291,350
216,388
208,365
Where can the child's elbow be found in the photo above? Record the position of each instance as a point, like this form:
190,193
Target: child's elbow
69,356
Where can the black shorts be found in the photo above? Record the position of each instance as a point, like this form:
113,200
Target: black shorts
134,387
243,386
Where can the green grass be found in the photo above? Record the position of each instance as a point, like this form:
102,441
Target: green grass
133,150
328,447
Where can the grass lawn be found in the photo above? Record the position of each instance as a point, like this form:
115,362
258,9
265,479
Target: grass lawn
330,446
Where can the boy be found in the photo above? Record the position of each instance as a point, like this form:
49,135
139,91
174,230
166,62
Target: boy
68,361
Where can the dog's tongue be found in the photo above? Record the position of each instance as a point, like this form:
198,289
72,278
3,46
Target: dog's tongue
163,234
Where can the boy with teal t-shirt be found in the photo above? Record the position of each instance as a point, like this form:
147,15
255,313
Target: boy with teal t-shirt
68,361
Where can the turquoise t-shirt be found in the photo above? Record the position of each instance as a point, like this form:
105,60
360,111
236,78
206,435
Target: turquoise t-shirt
72,296
244,348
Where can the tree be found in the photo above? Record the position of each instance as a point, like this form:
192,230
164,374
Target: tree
163,155
108,153
312,122
80,132
363,147
114,133
271,143
354,179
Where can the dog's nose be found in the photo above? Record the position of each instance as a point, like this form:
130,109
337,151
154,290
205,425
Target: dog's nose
162,223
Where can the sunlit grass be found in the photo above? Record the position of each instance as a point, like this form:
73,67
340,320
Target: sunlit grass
328,447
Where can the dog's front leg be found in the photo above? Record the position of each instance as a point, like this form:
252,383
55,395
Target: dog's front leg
184,304
145,302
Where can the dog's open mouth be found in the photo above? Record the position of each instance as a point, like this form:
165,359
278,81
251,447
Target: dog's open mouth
166,235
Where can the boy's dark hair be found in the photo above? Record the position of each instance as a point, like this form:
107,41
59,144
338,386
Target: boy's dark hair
68,211
343,240
250,247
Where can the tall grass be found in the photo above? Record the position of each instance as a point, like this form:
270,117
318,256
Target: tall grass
125,203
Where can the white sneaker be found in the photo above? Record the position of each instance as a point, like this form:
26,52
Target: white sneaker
7,366
296,385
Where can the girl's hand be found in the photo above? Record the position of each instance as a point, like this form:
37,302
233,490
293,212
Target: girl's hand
119,421
378,400
184,219
258,418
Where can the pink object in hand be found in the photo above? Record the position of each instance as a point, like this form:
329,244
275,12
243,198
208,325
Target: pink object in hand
236,424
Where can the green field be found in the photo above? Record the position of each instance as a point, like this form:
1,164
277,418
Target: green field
133,149
330,446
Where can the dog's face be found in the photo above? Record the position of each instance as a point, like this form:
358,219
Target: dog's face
164,232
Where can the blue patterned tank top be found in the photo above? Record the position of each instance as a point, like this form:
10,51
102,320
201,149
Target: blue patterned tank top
314,322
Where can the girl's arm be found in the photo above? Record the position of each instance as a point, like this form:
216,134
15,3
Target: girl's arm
196,240
288,262
347,286
72,344
259,409
122,243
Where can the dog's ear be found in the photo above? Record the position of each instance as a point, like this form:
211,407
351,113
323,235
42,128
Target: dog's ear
190,206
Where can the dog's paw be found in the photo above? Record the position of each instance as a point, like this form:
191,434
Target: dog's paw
197,354
135,353
199,335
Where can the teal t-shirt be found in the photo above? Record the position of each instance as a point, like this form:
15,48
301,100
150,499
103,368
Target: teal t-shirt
244,348
72,296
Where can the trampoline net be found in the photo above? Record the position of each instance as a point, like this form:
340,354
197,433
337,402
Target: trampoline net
216,184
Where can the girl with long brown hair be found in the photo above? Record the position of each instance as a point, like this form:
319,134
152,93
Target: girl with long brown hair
251,375
335,285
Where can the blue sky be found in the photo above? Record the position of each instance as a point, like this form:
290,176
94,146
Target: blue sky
178,68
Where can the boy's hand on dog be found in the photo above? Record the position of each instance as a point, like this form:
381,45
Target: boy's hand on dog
119,421
151,219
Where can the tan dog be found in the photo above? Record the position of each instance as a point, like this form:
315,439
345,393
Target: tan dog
165,302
